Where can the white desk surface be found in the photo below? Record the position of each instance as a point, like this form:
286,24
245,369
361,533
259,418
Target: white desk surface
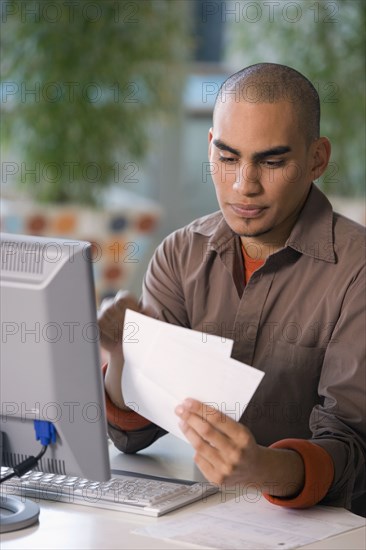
68,526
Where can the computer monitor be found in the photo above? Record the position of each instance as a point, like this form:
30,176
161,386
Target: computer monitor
50,366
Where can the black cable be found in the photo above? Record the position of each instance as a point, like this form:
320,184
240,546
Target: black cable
24,467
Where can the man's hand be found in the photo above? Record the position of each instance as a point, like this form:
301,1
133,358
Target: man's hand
111,320
226,452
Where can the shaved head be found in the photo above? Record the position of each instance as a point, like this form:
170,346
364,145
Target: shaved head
272,83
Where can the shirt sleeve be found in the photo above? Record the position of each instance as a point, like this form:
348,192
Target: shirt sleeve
338,424
334,458
319,473
162,292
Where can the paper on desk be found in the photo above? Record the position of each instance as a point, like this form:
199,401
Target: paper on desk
165,363
242,523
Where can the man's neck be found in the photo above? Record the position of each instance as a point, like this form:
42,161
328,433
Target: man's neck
259,247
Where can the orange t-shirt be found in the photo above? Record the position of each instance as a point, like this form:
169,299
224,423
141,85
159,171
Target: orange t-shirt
250,264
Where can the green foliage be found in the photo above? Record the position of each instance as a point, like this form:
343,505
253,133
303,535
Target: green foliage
324,40
101,71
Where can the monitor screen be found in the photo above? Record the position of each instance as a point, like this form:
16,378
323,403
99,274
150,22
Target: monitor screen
50,366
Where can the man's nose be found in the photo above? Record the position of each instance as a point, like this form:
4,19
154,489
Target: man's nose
247,181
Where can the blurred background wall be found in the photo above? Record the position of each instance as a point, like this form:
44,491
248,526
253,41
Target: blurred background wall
106,107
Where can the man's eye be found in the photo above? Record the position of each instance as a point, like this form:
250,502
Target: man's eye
273,163
228,160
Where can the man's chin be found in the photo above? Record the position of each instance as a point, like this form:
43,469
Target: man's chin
247,232
255,233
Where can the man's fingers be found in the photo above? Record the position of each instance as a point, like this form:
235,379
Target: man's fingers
213,443
120,302
203,440
212,416
216,456
125,300
204,448
111,318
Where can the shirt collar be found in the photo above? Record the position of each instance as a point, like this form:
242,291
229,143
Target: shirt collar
215,227
311,235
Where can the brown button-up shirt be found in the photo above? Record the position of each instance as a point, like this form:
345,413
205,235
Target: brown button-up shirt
300,319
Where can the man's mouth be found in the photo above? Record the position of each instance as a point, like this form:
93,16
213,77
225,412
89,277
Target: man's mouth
247,210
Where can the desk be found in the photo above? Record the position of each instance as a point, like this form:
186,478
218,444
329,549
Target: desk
66,526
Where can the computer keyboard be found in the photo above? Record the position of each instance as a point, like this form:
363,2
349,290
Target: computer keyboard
125,491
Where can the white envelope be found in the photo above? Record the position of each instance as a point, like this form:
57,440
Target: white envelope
164,364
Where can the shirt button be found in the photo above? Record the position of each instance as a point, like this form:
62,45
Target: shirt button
251,333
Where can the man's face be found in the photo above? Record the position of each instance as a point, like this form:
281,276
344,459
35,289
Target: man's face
262,167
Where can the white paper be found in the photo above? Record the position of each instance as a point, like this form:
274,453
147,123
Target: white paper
244,524
164,364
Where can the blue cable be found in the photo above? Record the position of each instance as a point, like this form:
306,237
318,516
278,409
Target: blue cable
45,432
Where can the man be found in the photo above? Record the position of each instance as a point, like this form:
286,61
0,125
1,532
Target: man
284,276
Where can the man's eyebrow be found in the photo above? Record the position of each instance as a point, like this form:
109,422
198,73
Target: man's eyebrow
257,156
223,147
273,151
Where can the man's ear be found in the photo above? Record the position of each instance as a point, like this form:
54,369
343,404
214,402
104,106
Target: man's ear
210,136
320,157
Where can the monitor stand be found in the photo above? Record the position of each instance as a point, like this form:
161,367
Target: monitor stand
14,512
22,514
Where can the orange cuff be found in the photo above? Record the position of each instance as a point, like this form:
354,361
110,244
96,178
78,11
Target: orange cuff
125,420
319,473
